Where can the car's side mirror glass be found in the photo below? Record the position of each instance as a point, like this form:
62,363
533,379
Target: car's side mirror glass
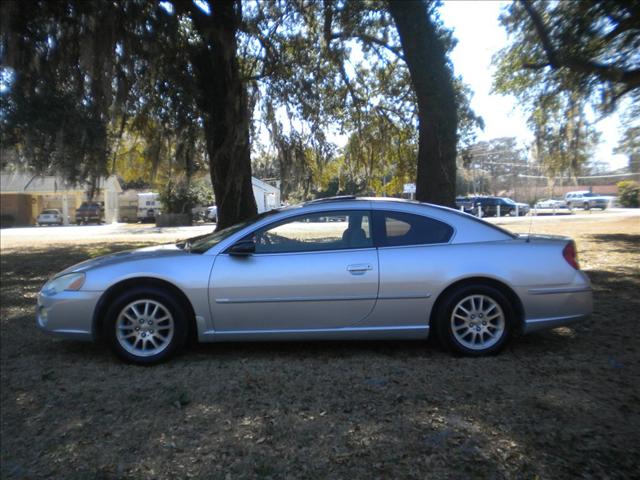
243,248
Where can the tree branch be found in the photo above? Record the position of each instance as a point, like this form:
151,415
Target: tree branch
557,59
370,39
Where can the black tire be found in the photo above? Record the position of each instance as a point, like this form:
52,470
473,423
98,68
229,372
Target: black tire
586,206
444,328
162,297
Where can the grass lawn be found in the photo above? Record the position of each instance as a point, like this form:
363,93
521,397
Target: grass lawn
557,404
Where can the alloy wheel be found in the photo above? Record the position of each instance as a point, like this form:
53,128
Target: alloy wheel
145,328
477,322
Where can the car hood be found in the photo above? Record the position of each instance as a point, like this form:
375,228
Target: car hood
126,256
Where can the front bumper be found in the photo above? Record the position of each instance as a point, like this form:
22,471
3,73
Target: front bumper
67,314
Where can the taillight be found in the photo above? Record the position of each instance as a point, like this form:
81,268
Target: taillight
570,254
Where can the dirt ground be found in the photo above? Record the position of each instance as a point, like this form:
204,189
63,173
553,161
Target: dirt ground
557,404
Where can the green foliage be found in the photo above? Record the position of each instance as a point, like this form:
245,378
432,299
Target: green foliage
180,196
630,146
493,166
113,87
54,134
562,57
585,47
564,139
629,194
339,64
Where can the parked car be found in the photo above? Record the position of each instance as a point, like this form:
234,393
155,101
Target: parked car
50,217
489,206
391,270
521,210
212,213
89,212
550,203
587,200
465,203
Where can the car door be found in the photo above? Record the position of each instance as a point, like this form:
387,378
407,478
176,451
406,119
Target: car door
413,254
313,271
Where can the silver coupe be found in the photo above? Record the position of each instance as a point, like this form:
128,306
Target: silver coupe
338,268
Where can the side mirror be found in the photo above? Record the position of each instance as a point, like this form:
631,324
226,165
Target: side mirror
243,249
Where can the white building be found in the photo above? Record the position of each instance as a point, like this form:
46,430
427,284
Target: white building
24,196
267,196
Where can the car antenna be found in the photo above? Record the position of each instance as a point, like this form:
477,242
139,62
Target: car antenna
531,226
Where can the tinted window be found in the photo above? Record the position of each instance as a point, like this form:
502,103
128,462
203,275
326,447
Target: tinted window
397,228
314,232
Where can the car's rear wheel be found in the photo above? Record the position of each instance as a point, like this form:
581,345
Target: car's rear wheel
475,320
586,206
145,326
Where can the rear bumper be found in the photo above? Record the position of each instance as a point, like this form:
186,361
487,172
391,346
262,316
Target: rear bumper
551,307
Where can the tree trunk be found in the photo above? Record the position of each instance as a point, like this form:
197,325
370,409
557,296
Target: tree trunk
223,101
432,81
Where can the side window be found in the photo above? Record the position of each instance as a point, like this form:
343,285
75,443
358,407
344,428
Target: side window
336,230
398,229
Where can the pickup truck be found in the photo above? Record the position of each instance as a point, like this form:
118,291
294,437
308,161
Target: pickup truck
89,212
587,200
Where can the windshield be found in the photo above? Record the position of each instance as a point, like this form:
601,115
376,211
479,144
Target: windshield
204,242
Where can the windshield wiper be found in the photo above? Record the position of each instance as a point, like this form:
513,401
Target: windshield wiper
187,243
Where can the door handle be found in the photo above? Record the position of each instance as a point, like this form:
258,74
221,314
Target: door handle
359,268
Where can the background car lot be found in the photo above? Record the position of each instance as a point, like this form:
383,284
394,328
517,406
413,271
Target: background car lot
559,404
491,206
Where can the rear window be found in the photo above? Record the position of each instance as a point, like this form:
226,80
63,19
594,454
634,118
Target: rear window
50,212
401,229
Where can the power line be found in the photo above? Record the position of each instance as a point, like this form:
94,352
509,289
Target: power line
583,178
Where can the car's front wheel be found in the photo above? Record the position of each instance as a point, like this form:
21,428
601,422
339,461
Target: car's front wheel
475,320
145,326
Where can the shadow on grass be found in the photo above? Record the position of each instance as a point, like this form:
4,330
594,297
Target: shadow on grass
24,272
555,404
621,242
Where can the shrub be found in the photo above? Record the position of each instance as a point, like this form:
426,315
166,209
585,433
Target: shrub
180,196
629,194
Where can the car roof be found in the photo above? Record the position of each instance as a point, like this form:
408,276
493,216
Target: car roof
467,228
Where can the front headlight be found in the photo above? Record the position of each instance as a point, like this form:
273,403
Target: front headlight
69,282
